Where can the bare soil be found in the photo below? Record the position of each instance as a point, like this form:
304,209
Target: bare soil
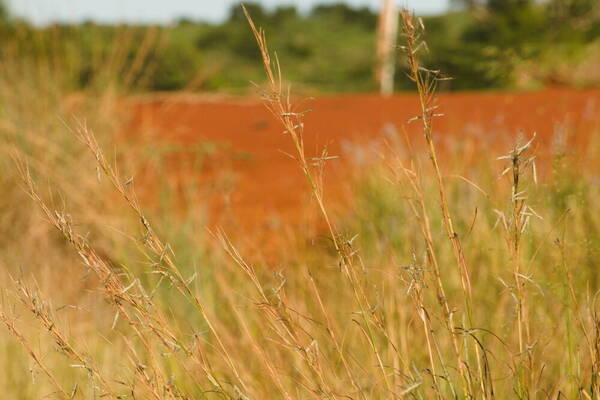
244,160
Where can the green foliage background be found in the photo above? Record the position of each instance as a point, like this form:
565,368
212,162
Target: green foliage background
481,44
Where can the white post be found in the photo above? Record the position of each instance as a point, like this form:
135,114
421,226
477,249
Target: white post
387,32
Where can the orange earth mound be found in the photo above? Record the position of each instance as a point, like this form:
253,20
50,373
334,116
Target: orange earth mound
255,182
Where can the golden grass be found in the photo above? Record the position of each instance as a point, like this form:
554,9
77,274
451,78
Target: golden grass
433,288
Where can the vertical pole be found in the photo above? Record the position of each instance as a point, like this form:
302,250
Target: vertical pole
387,31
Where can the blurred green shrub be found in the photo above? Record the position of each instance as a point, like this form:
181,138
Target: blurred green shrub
482,44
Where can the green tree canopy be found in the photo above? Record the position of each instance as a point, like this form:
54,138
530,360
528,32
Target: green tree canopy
3,11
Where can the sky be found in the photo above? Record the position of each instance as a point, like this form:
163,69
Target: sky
164,11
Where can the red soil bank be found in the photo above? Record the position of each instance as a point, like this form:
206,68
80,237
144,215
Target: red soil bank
268,185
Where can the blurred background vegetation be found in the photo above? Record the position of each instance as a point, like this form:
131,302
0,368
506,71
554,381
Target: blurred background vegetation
482,44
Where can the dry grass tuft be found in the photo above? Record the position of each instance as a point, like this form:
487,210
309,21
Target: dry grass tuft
434,288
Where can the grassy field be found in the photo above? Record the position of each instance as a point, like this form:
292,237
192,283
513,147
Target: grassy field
444,279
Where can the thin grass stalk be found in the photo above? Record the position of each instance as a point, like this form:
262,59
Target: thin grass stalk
165,262
426,85
37,359
421,214
426,82
520,215
415,288
279,317
66,347
146,315
333,336
280,106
